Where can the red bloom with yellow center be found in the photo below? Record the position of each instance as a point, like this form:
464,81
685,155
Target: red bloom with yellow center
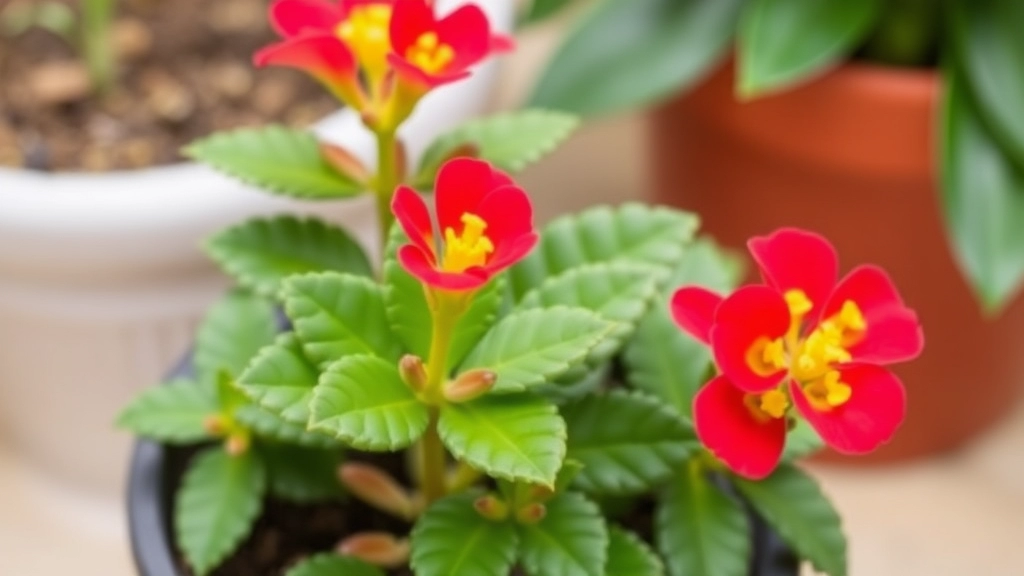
801,340
485,225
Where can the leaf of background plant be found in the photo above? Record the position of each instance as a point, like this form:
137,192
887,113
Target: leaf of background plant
333,565
571,539
281,160
983,201
782,42
216,505
232,332
792,503
268,425
540,10
452,538
628,555
281,379
801,441
509,436
699,530
172,413
631,232
363,401
336,315
630,54
262,252
300,474
511,141
534,346
627,442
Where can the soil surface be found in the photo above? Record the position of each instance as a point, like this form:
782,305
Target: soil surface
184,71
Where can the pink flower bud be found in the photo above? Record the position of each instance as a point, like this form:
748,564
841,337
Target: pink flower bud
491,507
378,489
413,372
378,548
470,385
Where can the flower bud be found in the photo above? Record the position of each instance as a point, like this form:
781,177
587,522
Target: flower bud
344,162
470,385
215,425
491,507
237,444
375,487
531,513
377,548
413,372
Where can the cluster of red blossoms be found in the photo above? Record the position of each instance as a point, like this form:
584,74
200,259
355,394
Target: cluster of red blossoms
801,339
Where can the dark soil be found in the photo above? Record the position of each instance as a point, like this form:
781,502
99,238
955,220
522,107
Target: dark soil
184,71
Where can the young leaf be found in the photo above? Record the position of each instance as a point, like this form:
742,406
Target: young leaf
452,538
337,315
232,332
173,413
270,426
535,346
627,442
262,252
699,530
628,555
513,436
281,160
302,474
571,539
333,565
363,401
281,379
631,232
216,505
510,141
791,502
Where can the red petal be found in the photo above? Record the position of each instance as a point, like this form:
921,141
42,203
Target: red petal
876,407
325,57
693,309
791,258
750,313
420,266
422,81
409,20
414,217
293,17
468,32
508,213
462,184
893,331
510,253
501,43
750,447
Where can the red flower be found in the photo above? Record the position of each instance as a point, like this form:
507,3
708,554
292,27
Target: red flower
485,225
805,340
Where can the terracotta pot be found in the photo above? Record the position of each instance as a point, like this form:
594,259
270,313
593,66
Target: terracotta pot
852,156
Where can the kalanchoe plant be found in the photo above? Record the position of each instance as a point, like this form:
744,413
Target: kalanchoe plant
535,380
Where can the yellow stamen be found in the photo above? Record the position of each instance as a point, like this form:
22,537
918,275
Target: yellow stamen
798,303
767,356
366,32
468,249
429,53
850,317
774,403
828,392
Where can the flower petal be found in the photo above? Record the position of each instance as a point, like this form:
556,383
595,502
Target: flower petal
501,43
323,56
508,213
420,80
693,308
468,32
409,20
417,263
462,184
510,253
743,318
749,446
411,212
293,17
797,259
876,408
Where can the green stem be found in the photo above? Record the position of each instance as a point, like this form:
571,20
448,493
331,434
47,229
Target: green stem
386,181
97,16
434,461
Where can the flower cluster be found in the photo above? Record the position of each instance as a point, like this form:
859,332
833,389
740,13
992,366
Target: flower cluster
801,339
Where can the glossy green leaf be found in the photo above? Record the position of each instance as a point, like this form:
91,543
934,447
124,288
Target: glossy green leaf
571,539
629,54
511,436
173,413
628,555
300,474
262,252
233,331
627,442
784,41
336,315
216,505
333,565
699,530
631,232
281,160
363,401
281,379
270,426
793,504
452,538
534,346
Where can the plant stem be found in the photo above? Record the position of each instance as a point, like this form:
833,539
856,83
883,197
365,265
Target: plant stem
97,16
434,461
386,181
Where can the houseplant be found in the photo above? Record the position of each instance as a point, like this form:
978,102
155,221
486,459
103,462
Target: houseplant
535,385
842,113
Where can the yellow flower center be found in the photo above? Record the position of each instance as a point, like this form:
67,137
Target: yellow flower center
468,249
429,53
770,405
366,31
827,392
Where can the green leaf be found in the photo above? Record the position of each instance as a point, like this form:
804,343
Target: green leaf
784,41
333,565
629,54
173,413
216,506
281,379
302,474
363,401
232,332
281,160
336,315
626,441
535,346
628,555
571,539
270,426
792,503
262,252
631,232
511,141
540,10
983,201
801,441
699,530
452,538
512,436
